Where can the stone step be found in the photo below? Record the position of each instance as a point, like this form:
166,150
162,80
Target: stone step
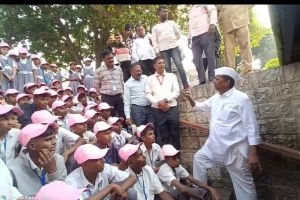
225,193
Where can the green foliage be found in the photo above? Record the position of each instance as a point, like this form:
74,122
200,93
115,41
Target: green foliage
272,64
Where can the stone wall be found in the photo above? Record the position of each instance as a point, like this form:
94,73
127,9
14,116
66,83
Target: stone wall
276,98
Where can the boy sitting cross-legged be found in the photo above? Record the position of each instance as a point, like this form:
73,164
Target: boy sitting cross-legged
148,184
172,171
95,174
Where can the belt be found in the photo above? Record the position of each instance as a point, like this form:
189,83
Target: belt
25,72
88,76
115,95
142,106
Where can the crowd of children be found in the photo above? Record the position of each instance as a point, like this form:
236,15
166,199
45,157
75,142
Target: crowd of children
53,140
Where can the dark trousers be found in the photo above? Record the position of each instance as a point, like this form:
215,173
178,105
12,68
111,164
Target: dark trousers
204,42
167,127
115,101
147,67
176,57
141,115
125,66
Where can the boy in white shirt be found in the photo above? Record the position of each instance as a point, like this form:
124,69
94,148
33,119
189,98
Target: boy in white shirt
94,174
151,150
172,171
148,184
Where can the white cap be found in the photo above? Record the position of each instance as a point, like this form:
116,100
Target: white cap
229,72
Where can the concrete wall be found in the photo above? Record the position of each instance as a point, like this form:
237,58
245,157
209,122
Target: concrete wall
276,98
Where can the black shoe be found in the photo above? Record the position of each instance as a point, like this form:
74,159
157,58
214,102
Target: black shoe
202,83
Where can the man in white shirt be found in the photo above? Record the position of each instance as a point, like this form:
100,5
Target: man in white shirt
165,36
233,137
143,51
162,89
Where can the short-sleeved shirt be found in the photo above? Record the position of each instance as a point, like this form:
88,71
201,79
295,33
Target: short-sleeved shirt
65,138
110,174
166,175
9,145
120,139
152,156
148,182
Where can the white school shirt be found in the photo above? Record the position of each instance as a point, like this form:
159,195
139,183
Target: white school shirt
88,136
110,174
154,155
166,175
65,138
8,145
142,49
147,183
232,121
159,87
7,191
120,139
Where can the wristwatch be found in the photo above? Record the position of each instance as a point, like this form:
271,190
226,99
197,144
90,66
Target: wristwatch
166,100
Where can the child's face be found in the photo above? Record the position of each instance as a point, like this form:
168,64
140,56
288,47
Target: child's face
83,100
36,61
149,136
91,122
104,137
40,143
94,166
15,122
51,100
54,69
24,100
137,160
173,161
6,122
69,103
73,67
61,111
12,99
56,84
2,100
41,101
93,94
106,113
80,90
4,50
118,126
79,129
30,90
69,92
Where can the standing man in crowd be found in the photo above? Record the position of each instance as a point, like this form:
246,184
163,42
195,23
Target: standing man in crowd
162,89
234,21
108,81
233,137
130,36
165,36
137,107
202,25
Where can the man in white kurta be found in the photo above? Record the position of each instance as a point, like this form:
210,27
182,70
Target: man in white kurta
233,134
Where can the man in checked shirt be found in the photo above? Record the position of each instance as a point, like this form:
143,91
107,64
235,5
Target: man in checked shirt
108,81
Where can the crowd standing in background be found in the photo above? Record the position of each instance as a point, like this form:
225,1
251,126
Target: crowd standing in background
114,131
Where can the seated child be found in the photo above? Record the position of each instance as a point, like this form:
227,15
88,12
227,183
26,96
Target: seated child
104,140
69,91
37,164
119,136
53,97
11,96
151,150
59,109
93,95
94,174
2,98
92,117
105,111
56,83
29,88
59,190
60,93
147,184
172,171
23,99
8,135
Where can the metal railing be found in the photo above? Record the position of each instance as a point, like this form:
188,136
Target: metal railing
274,148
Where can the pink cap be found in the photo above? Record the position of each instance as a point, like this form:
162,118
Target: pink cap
141,128
34,56
53,65
93,90
42,84
113,120
40,91
88,107
128,150
4,45
66,97
13,52
81,86
19,96
59,190
169,150
57,104
76,119
52,92
101,126
44,62
11,91
72,63
90,114
23,50
7,108
42,117
88,152
69,88
44,87
104,106
28,85
78,66
54,81
31,131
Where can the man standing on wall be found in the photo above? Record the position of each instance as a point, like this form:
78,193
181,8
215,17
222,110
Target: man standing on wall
233,137
165,36
234,21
